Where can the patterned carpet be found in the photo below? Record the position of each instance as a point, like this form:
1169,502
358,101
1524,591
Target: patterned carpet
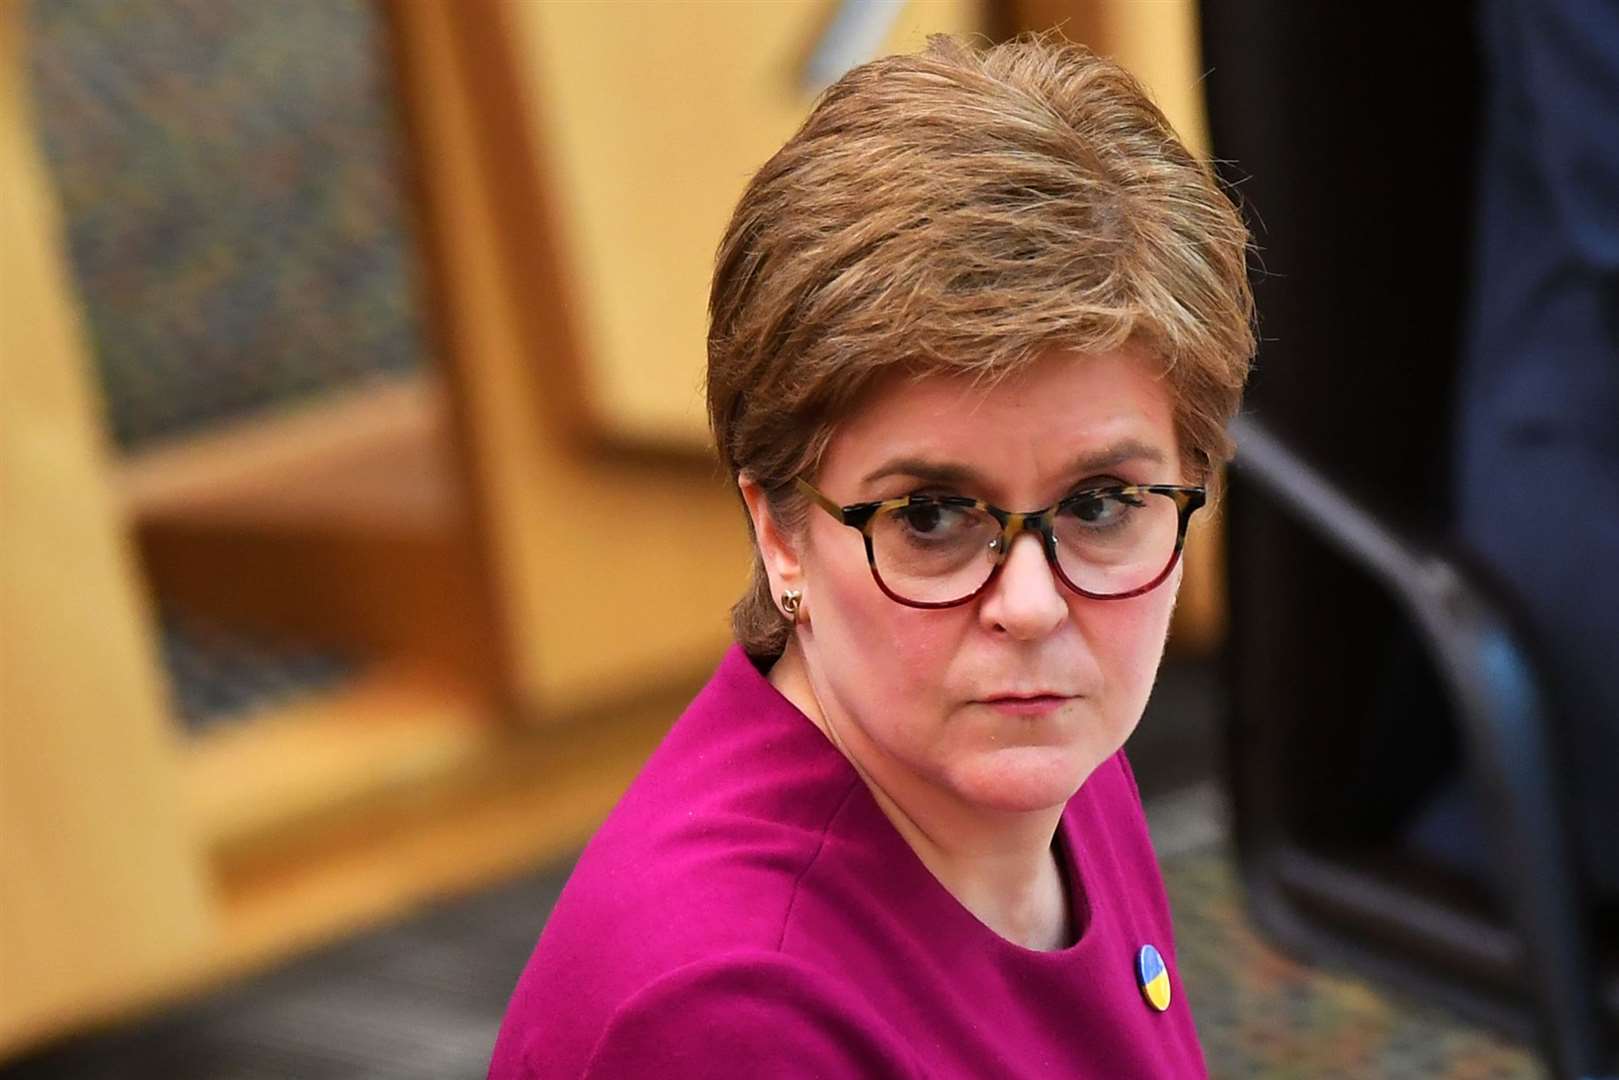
1261,1015
237,223
422,1000
219,675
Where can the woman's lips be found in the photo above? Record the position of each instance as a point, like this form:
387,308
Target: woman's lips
1038,705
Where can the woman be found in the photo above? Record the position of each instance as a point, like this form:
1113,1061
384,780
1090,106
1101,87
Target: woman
896,835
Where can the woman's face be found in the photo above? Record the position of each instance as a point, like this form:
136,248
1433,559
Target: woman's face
911,693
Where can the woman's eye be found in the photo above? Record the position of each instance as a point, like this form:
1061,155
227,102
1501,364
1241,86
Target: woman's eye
1096,511
925,518
1103,509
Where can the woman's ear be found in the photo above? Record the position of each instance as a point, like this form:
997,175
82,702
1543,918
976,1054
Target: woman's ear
776,547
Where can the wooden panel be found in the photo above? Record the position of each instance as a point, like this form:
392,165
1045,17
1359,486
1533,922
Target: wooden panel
615,573
538,799
1199,624
101,884
284,772
340,523
281,465
472,805
652,118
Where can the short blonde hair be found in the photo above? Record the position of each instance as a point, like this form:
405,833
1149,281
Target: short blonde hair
963,211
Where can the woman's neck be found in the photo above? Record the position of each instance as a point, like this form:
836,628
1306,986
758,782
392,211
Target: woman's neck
1000,866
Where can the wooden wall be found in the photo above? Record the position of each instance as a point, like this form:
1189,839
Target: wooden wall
530,539
101,885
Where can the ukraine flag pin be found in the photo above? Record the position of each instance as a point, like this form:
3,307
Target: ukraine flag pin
1153,975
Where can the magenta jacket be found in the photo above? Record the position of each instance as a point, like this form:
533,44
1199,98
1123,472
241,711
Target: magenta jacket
748,911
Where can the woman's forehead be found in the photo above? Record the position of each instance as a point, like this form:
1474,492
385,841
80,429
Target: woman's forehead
1064,412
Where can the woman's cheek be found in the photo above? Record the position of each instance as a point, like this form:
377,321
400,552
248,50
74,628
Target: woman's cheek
924,640
924,650
1142,646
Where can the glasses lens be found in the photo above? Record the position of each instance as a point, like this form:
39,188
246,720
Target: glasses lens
1109,544
933,553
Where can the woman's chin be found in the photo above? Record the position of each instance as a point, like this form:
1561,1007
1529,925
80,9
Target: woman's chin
1022,779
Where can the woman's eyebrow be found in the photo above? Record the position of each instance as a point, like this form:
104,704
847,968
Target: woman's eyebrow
1120,453
952,473
932,472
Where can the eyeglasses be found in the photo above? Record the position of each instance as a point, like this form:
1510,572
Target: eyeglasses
936,551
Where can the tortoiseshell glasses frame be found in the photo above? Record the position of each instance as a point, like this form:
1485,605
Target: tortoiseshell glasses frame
863,516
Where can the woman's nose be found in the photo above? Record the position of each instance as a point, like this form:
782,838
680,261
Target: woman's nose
1026,600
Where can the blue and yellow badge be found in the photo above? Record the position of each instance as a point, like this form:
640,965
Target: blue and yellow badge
1153,976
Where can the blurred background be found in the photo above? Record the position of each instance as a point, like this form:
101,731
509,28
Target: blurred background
361,535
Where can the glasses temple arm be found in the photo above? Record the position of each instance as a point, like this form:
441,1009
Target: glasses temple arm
805,487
